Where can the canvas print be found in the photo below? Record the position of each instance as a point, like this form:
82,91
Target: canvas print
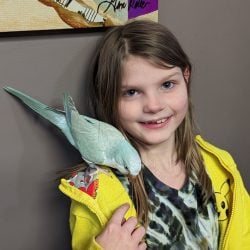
31,15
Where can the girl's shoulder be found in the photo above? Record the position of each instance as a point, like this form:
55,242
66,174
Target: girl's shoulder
98,189
90,180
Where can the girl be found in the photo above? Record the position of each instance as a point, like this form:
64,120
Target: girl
189,194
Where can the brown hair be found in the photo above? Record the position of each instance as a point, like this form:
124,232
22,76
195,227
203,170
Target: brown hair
156,43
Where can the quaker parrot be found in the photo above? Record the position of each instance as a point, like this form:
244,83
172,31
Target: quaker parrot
98,142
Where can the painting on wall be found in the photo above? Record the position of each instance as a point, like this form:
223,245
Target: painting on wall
34,15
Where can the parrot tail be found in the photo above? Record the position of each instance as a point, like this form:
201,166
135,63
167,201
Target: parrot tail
44,110
55,116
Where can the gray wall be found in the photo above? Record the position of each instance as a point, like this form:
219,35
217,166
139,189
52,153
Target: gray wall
33,214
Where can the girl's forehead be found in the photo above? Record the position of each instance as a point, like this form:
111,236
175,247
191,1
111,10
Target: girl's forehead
134,63
155,62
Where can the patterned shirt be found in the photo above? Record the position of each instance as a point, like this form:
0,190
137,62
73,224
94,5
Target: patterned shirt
177,219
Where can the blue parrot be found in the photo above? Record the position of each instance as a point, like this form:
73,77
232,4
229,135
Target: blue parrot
98,142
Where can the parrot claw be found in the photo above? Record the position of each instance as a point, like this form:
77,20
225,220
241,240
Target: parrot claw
100,169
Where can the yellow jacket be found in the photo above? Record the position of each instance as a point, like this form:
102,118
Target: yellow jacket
93,205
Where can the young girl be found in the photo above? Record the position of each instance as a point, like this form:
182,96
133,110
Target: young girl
189,194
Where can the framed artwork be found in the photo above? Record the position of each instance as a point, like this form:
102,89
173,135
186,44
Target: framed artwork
34,15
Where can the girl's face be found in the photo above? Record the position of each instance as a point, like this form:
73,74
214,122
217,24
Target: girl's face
153,101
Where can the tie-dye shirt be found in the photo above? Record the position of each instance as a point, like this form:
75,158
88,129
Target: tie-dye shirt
177,220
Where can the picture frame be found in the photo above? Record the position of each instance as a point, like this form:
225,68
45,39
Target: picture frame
48,15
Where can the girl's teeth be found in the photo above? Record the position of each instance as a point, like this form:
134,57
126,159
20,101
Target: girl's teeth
157,122
160,121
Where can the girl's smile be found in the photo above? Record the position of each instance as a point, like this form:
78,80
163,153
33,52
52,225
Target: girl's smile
153,101
156,124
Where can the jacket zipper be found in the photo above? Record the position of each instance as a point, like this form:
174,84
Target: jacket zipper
233,207
222,243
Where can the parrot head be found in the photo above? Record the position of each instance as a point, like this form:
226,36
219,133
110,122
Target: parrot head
128,157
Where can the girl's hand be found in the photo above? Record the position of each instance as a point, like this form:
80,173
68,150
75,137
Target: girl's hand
120,234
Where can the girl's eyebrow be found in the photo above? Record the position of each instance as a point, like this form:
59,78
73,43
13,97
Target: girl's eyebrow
171,75
166,77
175,73
125,87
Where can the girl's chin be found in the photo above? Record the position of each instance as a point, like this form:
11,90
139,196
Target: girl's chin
154,140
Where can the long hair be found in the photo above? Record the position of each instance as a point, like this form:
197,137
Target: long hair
156,43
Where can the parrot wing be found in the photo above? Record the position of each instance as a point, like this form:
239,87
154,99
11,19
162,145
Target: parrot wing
95,139
55,116
107,134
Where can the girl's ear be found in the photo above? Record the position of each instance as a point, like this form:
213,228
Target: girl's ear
186,74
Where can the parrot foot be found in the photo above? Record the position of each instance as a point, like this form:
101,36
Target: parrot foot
100,169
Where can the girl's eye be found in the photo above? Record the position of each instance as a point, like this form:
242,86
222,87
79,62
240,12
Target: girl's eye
130,92
168,85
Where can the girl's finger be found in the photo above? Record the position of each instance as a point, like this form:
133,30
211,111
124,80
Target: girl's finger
142,246
119,213
130,224
138,233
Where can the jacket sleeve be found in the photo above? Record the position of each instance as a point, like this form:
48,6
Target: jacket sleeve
84,228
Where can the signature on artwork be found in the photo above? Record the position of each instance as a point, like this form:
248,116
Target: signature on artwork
115,4
136,4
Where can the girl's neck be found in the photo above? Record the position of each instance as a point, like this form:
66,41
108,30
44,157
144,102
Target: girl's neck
163,154
161,160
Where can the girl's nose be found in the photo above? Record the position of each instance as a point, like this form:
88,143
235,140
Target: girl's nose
153,103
